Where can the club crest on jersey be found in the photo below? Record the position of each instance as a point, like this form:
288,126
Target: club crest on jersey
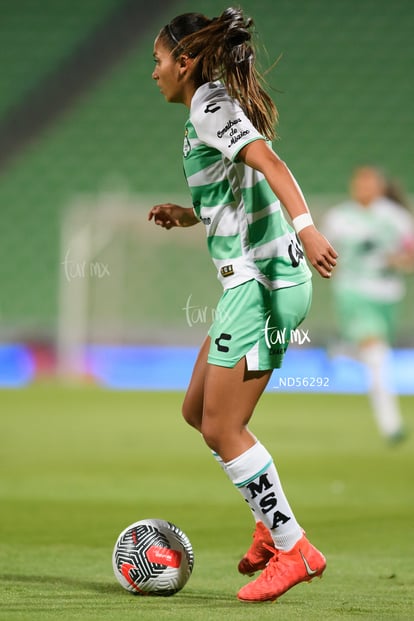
187,144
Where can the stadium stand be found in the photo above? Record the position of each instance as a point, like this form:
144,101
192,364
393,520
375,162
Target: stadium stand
344,95
35,40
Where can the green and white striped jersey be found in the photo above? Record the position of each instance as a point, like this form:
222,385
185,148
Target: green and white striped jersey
365,239
248,236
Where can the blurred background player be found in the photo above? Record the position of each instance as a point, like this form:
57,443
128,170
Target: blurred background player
373,232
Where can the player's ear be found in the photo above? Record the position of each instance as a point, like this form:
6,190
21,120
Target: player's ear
185,62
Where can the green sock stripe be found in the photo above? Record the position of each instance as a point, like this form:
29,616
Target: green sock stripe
266,467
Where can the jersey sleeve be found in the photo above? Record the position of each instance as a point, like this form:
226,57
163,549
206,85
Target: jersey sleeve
221,123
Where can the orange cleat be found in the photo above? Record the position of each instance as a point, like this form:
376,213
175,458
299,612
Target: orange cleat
285,569
259,553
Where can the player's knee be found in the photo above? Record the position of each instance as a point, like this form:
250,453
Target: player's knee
190,416
211,435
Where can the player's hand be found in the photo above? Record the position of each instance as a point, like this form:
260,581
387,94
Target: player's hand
166,215
318,250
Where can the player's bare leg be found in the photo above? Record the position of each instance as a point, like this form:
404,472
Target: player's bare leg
385,405
192,408
230,396
226,398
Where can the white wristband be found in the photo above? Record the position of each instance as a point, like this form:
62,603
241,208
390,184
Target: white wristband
300,222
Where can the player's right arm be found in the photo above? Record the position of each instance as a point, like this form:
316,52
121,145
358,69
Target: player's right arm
169,215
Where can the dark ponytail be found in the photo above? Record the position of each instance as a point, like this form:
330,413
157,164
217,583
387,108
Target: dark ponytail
222,49
395,192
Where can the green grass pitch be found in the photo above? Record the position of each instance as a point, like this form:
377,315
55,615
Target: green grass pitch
78,465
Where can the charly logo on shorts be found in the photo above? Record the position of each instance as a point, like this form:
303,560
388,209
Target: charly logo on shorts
223,337
187,144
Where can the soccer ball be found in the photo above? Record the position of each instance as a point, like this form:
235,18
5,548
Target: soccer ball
152,557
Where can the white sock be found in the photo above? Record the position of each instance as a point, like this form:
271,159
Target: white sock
254,474
222,465
219,460
384,402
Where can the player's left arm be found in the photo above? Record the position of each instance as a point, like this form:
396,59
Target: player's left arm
403,259
260,156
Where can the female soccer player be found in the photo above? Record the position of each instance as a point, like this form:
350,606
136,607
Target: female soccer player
236,179
374,232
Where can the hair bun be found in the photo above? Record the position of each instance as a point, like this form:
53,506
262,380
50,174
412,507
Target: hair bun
237,27
233,15
238,37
